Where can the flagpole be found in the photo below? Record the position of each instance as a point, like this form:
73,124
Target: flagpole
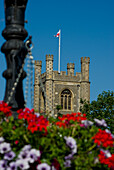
59,52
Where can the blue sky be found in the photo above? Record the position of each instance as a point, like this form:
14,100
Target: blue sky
87,30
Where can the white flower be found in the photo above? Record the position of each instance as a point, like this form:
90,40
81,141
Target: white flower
100,122
22,164
4,147
74,150
87,123
37,114
43,166
36,152
33,155
107,153
3,165
26,148
23,154
70,142
108,131
53,168
70,156
67,163
96,160
12,166
1,139
9,156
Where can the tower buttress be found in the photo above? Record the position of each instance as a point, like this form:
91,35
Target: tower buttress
38,66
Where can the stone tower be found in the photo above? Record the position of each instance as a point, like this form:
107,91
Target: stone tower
85,85
49,82
60,88
38,67
70,69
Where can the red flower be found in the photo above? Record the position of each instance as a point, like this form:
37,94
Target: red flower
64,121
16,142
56,164
107,161
34,123
5,109
103,138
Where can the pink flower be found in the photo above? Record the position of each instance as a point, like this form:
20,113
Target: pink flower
82,125
16,142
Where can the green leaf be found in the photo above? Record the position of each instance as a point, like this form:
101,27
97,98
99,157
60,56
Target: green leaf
26,139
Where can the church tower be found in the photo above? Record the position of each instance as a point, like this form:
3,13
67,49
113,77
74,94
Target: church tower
66,89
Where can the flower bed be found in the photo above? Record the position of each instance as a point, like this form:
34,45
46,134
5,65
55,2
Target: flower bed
67,142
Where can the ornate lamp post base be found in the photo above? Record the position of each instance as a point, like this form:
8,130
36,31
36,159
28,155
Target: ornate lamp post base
15,51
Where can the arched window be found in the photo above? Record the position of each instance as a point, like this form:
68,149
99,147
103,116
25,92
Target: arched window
66,99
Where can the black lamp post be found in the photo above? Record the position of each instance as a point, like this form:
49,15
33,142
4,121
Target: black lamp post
15,51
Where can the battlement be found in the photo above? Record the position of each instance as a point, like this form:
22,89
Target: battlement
49,57
78,74
85,60
66,78
61,73
70,66
38,63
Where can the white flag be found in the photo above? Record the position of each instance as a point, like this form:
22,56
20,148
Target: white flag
58,34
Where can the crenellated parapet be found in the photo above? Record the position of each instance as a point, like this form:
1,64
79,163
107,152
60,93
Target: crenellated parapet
64,77
49,57
38,67
38,63
85,60
63,73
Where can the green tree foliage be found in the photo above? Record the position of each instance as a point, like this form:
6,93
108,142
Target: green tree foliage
58,107
103,108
